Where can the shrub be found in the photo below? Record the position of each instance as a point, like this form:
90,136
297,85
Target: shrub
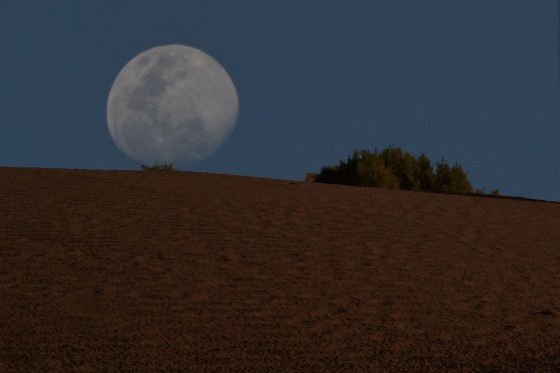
329,175
494,193
156,166
393,168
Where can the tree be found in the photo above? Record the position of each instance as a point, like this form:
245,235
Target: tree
393,168
423,174
401,165
451,179
367,169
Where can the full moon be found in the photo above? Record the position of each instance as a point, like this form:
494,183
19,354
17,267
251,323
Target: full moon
171,103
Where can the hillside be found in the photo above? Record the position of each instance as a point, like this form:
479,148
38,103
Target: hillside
178,271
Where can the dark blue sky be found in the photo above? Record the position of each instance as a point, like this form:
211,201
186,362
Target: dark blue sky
473,81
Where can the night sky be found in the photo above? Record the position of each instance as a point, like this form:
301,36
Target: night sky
475,82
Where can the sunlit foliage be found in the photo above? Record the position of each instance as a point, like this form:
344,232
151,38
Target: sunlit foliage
392,168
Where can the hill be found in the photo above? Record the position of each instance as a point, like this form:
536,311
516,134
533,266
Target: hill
125,270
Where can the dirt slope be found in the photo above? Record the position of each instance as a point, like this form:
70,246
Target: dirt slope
139,271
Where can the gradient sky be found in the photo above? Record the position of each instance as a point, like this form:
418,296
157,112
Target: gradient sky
473,81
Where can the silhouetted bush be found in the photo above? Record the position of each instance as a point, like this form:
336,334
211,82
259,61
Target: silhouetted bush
494,193
330,175
156,166
395,169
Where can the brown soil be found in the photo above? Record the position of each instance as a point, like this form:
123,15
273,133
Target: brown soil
176,271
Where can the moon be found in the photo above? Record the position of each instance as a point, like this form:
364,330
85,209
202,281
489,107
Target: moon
171,103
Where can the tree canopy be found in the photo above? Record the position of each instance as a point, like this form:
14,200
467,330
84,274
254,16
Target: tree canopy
395,169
